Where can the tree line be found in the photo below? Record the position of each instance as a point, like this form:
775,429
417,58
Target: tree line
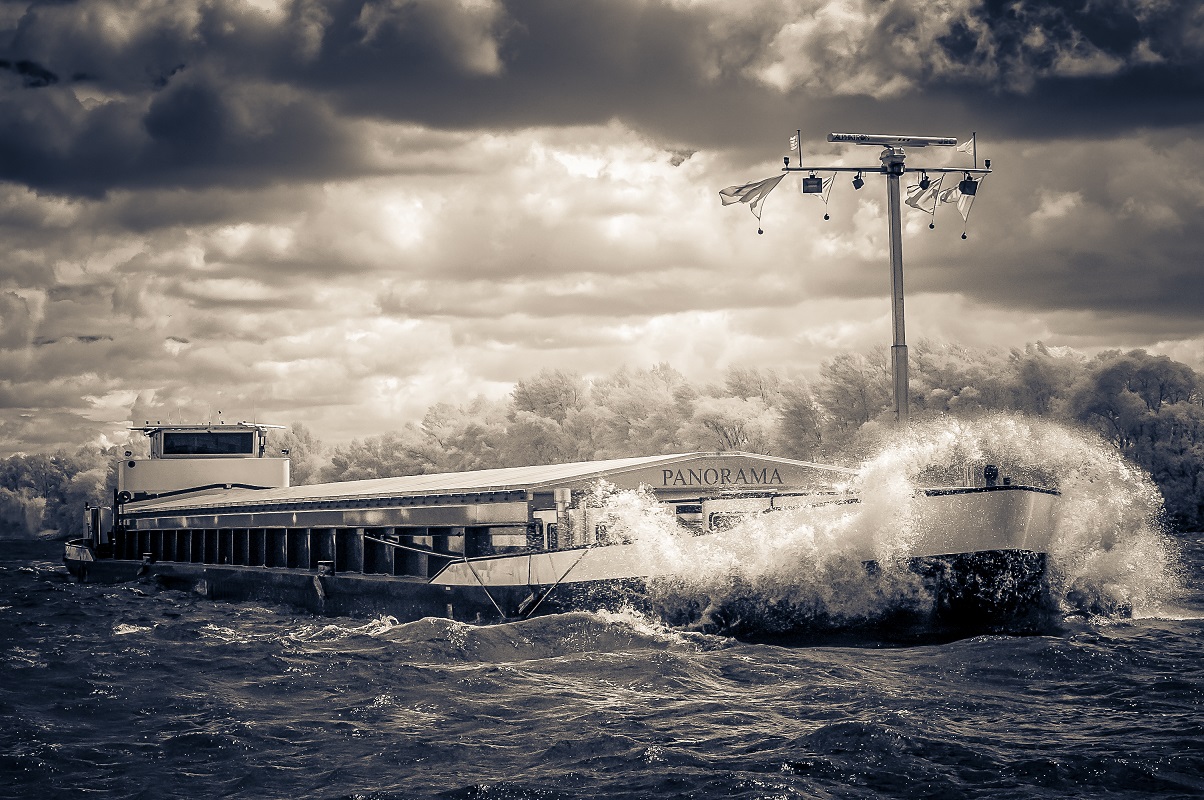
1151,408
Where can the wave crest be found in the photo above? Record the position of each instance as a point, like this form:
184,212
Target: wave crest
1109,552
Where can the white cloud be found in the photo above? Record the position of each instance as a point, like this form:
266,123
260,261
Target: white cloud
353,305
1053,207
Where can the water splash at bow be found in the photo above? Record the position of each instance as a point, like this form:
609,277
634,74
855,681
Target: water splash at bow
806,568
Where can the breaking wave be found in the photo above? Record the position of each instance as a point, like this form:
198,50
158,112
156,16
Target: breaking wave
805,569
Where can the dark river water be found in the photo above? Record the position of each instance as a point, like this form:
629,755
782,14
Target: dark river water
135,692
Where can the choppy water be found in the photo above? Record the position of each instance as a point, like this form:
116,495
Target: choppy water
134,692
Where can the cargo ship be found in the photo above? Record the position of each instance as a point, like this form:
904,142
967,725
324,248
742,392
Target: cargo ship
210,511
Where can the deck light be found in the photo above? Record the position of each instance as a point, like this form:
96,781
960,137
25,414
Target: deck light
858,182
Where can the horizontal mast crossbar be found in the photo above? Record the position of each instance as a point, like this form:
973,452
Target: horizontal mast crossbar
882,170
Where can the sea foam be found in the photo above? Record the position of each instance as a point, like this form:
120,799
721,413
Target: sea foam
1109,553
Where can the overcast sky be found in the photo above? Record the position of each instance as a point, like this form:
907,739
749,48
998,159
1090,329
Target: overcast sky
339,213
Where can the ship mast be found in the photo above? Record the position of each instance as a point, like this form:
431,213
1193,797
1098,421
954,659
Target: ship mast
893,166
892,162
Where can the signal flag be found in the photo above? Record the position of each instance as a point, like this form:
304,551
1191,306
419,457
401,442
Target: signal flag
752,193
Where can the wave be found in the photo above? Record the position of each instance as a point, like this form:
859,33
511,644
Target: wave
805,570
435,640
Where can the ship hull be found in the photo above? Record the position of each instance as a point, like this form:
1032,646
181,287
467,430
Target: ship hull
327,594
977,558
1002,591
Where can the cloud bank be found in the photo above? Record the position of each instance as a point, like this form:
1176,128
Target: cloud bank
340,213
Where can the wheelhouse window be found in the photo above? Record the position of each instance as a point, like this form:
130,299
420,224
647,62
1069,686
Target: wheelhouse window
208,443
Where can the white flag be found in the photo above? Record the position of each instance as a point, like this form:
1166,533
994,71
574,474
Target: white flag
964,201
924,199
794,142
966,146
752,193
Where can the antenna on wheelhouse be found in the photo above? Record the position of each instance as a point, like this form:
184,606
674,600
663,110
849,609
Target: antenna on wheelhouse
893,165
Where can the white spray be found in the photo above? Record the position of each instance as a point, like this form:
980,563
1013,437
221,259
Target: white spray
1109,554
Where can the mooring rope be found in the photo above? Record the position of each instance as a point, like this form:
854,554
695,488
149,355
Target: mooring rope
559,580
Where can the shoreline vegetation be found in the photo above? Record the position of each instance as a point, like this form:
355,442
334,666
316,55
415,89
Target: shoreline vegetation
1150,408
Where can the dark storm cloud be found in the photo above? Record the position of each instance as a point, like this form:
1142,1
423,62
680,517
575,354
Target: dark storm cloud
222,94
1108,227
687,69
560,64
32,75
196,133
1075,69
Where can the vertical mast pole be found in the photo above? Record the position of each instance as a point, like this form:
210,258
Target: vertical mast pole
892,162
